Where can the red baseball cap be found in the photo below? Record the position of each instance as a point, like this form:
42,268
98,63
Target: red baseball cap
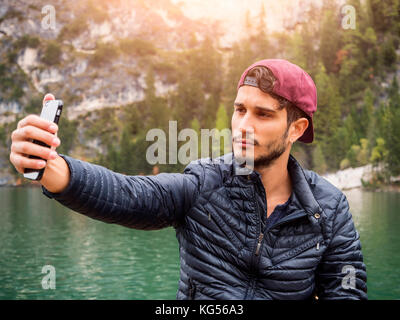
293,84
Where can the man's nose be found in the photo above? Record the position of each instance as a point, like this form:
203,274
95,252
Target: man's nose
246,127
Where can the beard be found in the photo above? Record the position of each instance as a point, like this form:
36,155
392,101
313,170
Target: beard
274,150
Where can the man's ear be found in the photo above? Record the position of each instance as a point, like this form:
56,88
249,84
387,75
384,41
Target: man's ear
297,129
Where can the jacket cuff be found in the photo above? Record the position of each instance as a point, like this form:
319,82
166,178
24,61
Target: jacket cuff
76,170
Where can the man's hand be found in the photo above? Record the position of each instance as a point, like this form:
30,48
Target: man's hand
56,174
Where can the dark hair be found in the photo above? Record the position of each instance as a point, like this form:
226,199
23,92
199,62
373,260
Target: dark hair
266,80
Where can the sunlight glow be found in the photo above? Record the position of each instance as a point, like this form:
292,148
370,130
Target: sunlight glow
233,12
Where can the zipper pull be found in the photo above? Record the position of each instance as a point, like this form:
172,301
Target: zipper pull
209,216
318,246
261,236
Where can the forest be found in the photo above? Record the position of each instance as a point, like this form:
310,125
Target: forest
356,72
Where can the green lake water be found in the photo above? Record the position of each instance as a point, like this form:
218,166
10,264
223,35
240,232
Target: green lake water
95,260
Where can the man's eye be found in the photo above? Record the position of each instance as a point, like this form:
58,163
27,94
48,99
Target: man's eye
240,110
264,115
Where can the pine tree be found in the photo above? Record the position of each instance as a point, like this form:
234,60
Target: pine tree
385,14
261,40
222,126
319,162
328,116
392,119
364,154
242,56
330,41
155,108
379,153
126,151
366,117
195,125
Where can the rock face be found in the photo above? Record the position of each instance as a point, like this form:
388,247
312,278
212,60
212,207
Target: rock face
81,61
350,178
98,55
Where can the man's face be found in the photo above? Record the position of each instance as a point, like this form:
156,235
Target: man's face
259,129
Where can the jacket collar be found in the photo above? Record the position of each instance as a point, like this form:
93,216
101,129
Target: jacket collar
301,186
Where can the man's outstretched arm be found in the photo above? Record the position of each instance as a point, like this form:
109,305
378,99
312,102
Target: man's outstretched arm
140,202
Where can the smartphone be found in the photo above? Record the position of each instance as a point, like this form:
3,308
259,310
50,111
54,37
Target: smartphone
51,111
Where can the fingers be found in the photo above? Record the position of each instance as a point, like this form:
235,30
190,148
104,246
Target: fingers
36,121
48,97
30,148
30,128
53,147
21,162
31,132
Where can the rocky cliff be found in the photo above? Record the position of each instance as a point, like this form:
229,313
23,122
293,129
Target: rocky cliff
96,56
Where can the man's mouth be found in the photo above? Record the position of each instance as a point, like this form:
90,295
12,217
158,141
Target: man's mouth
244,142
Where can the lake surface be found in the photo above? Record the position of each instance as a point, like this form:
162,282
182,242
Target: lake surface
95,260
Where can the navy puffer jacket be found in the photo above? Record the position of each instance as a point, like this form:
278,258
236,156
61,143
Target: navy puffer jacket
227,251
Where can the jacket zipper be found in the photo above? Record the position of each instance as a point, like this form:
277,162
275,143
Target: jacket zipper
260,238
261,235
192,289
311,244
262,226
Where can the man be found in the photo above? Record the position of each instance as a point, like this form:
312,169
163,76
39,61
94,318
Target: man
278,232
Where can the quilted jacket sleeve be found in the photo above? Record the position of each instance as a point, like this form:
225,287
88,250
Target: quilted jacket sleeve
140,202
341,273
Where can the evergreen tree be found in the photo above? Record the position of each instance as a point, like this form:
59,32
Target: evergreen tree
366,117
385,14
319,162
330,40
261,40
364,153
155,108
242,56
125,156
195,125
328,117
392,119
379,153
222,126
